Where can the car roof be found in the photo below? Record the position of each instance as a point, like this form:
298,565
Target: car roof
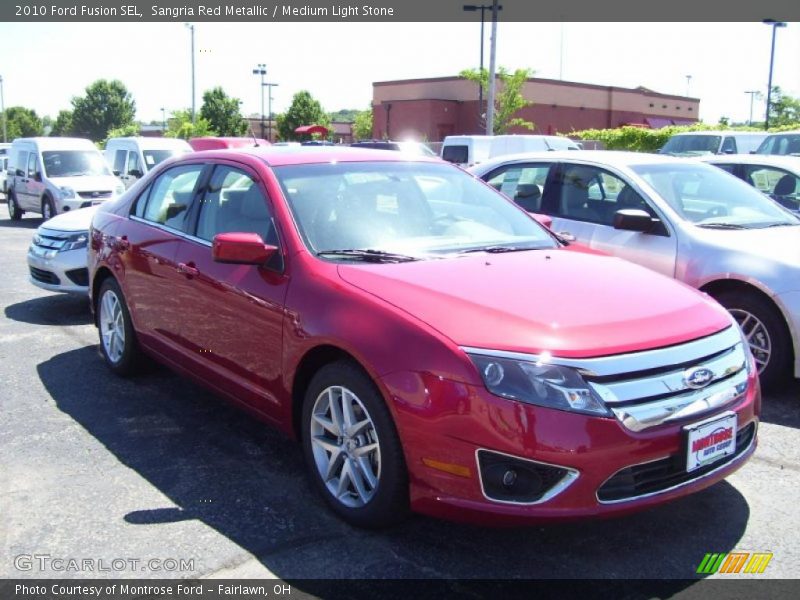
58,143
278,156
720,132
613,158
790,163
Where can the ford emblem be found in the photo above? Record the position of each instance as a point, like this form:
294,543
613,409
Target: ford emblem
698,377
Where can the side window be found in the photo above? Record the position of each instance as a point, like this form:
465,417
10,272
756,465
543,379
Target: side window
133,162
590,194
171,195
780,185
728,146
524,184
32,164
21,162
727,168
119,162
234,202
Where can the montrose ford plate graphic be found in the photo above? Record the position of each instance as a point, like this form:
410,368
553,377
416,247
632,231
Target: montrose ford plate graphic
710,441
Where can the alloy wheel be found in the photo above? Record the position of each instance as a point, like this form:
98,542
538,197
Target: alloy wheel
112,326
756,334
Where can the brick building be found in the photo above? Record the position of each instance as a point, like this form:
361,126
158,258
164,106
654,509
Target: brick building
430,109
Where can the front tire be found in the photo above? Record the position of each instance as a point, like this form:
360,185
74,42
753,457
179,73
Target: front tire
352,449
766,332
14,211
118,343
48,208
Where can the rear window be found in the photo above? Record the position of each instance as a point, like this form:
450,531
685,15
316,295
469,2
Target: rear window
456,154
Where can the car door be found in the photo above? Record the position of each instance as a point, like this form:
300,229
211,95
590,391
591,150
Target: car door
35,184
20,175
779,184
583,199
232,314
160,216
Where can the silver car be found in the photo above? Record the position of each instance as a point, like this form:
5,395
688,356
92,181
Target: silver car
683,218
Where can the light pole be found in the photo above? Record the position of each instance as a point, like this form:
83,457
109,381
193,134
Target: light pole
269,109
3,109
492,69
261,69
191,30
752,95
483,8
163,120
688,84
775,24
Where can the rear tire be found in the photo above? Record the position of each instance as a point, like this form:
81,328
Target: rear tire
766,330
48,208
118,343
14,211
354,457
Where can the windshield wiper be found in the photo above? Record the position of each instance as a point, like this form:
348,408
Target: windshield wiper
779,224
500,249
368,255
722,226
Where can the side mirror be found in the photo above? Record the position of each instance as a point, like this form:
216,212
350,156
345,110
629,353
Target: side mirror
19,173
241,248
135,173
633,219
116,173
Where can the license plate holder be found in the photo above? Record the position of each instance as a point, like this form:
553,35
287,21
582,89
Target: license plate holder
710,441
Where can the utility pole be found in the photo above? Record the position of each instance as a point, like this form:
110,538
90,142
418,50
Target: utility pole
3,109
752,94
191,30
261,70
492,71
269,109
163,121
775,24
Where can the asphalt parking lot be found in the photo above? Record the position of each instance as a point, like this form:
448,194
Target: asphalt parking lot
96,467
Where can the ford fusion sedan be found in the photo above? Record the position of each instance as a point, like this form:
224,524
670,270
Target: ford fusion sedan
431,345
682,218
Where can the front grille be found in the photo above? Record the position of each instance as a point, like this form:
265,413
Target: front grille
50,241
44,276
95,195
660,475
79,276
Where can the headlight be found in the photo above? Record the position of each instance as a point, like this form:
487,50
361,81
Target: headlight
67,193
551,386
75,242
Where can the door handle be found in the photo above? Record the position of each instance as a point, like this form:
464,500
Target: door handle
188,269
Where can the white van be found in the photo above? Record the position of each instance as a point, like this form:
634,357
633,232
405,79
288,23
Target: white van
51,175
466,150
131,157
698,143
515,144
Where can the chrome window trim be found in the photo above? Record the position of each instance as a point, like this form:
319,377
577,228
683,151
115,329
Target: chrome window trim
737,459
619,364
171,230
567,480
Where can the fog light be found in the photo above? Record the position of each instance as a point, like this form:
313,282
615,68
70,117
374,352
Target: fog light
507,478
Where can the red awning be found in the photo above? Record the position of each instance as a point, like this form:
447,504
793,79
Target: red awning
310,129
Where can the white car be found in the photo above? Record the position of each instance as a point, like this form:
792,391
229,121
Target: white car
57,254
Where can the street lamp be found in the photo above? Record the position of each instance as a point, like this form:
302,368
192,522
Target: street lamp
775,24
3,109
163,120
752,95
483,8
261,69
269,109
492,68
191,29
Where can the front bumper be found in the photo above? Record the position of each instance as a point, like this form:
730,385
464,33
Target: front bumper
63,205
442,422
65,272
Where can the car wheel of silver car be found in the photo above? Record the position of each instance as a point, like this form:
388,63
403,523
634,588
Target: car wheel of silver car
48,210
352,449
117,338
14,211
766,333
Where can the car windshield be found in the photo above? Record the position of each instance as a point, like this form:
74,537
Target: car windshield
710,197
153,157
691,145
74,163
783,144
409,209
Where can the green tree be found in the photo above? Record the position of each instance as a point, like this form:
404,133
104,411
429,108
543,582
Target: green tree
304,110
508,100
222,113
783,110
107,105
63,124
22,122
179,125
362,124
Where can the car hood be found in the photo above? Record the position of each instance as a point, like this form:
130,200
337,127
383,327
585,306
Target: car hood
74,220
568,303
88,183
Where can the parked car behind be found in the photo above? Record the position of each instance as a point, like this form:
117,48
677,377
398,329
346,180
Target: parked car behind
685,219
466,150
409,147
502,145
218,143
786,143
776,176
131,157
697,143
429,343
57,254
54,175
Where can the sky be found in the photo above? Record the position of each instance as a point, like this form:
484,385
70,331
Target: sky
46,64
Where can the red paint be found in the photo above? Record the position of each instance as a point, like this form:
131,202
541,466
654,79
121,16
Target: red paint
243,330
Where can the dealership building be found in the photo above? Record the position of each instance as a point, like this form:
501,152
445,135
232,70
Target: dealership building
430,109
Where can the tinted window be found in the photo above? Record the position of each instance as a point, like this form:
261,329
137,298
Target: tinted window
133,162
234,202
780,185
692,145
788,143
119,161
170,197
456,154
524,184
728,146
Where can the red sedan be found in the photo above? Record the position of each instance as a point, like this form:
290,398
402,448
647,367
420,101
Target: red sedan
431,345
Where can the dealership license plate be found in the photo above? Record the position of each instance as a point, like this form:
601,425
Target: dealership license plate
710,441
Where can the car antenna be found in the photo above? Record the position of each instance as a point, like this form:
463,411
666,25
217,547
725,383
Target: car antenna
255,141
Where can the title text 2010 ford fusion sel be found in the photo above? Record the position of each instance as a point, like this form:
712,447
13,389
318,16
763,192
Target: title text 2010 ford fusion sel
431,345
